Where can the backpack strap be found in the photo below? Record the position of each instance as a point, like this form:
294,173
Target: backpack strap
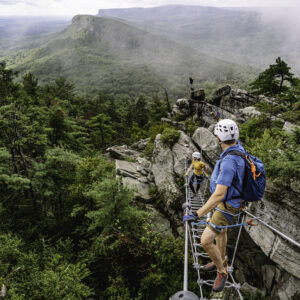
240,154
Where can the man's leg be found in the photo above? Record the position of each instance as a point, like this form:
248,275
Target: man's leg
207,242
221,241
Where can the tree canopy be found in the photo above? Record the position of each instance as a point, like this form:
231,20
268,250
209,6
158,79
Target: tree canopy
274,80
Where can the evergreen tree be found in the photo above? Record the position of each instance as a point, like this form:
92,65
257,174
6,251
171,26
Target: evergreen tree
158,109
7,86
101,130
141,115
271,81
30,84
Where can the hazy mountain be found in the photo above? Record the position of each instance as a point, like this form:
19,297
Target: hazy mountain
27,26
28,32
253,36
105,54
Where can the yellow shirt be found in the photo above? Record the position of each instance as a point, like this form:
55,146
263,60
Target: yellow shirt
198,167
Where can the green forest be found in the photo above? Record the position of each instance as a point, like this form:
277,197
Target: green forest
69,228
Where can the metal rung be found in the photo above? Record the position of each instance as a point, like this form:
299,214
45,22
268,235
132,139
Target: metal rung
211,283
197,254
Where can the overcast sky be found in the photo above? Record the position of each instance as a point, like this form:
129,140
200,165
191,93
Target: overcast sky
73,7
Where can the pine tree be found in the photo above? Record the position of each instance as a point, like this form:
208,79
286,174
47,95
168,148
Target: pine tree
7,86
30,84
271,82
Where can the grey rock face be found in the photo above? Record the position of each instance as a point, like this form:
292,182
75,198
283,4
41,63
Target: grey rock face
141,189
268,272
182,103
275,247
234,100
178,125
208,143
122,152
160,223
163,171
182,152
133,176
140,145
251,290
250,112
290,127
209,114
286,287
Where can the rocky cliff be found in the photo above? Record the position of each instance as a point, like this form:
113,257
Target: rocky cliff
280,272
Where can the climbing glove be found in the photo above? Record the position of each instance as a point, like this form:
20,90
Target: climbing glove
190,217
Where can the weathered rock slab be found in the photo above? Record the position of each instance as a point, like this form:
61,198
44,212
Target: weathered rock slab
163,171
250,112
290,127
136,177
159,222
122,152
182,152
208,143
141,189
274,246
128,169
251,290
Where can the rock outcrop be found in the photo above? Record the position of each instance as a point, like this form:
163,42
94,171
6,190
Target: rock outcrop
289,127
163,171
137,176
122,152
182,153
208,143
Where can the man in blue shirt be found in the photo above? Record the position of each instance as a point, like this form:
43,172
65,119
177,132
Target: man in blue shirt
226,181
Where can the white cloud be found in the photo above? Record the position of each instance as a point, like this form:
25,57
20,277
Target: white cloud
72,7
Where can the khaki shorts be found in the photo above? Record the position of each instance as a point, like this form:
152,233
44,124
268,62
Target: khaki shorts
219,219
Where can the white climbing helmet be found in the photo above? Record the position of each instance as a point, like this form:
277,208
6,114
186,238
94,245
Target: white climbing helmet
227,130
196,155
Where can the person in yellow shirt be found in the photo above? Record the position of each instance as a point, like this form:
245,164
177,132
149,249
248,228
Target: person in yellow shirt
200,171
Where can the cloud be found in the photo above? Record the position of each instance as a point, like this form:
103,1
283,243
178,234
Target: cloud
73,7
28,2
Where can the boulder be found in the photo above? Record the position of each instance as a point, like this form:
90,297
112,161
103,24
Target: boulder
144,163
182,153
208,143
250,112
122,152
182,103
209,114
276,248
290,127
163,171
127,169
159,222
268,273
288,286
236,100
132,177
141,189
140,145
295,186
178,125
251,290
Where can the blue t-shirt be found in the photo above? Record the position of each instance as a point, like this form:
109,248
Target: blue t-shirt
229,169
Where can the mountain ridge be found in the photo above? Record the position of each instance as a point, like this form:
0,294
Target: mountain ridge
94,50
247,36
